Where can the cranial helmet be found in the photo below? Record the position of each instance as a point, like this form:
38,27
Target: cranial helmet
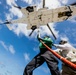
63,42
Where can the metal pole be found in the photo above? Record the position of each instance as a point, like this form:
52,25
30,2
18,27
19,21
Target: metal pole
43,3
51,31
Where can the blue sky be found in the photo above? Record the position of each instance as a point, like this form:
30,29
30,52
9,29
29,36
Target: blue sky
17,48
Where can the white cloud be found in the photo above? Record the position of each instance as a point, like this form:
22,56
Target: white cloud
3,44
36,49
63,1
1,25
32,2
70,1
20,29
49,3
13,11
26,56
37,3
73,19
10,2
64,37
0,21
0,2
8,16
66,2
11,49
28,1
16,12
8,47
52,4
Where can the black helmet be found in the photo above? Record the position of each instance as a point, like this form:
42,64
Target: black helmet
62,42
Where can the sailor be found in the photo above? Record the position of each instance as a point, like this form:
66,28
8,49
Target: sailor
44,56
66,50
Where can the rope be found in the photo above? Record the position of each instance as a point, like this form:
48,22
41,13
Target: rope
72,65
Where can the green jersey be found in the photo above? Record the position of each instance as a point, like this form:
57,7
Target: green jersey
47,41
